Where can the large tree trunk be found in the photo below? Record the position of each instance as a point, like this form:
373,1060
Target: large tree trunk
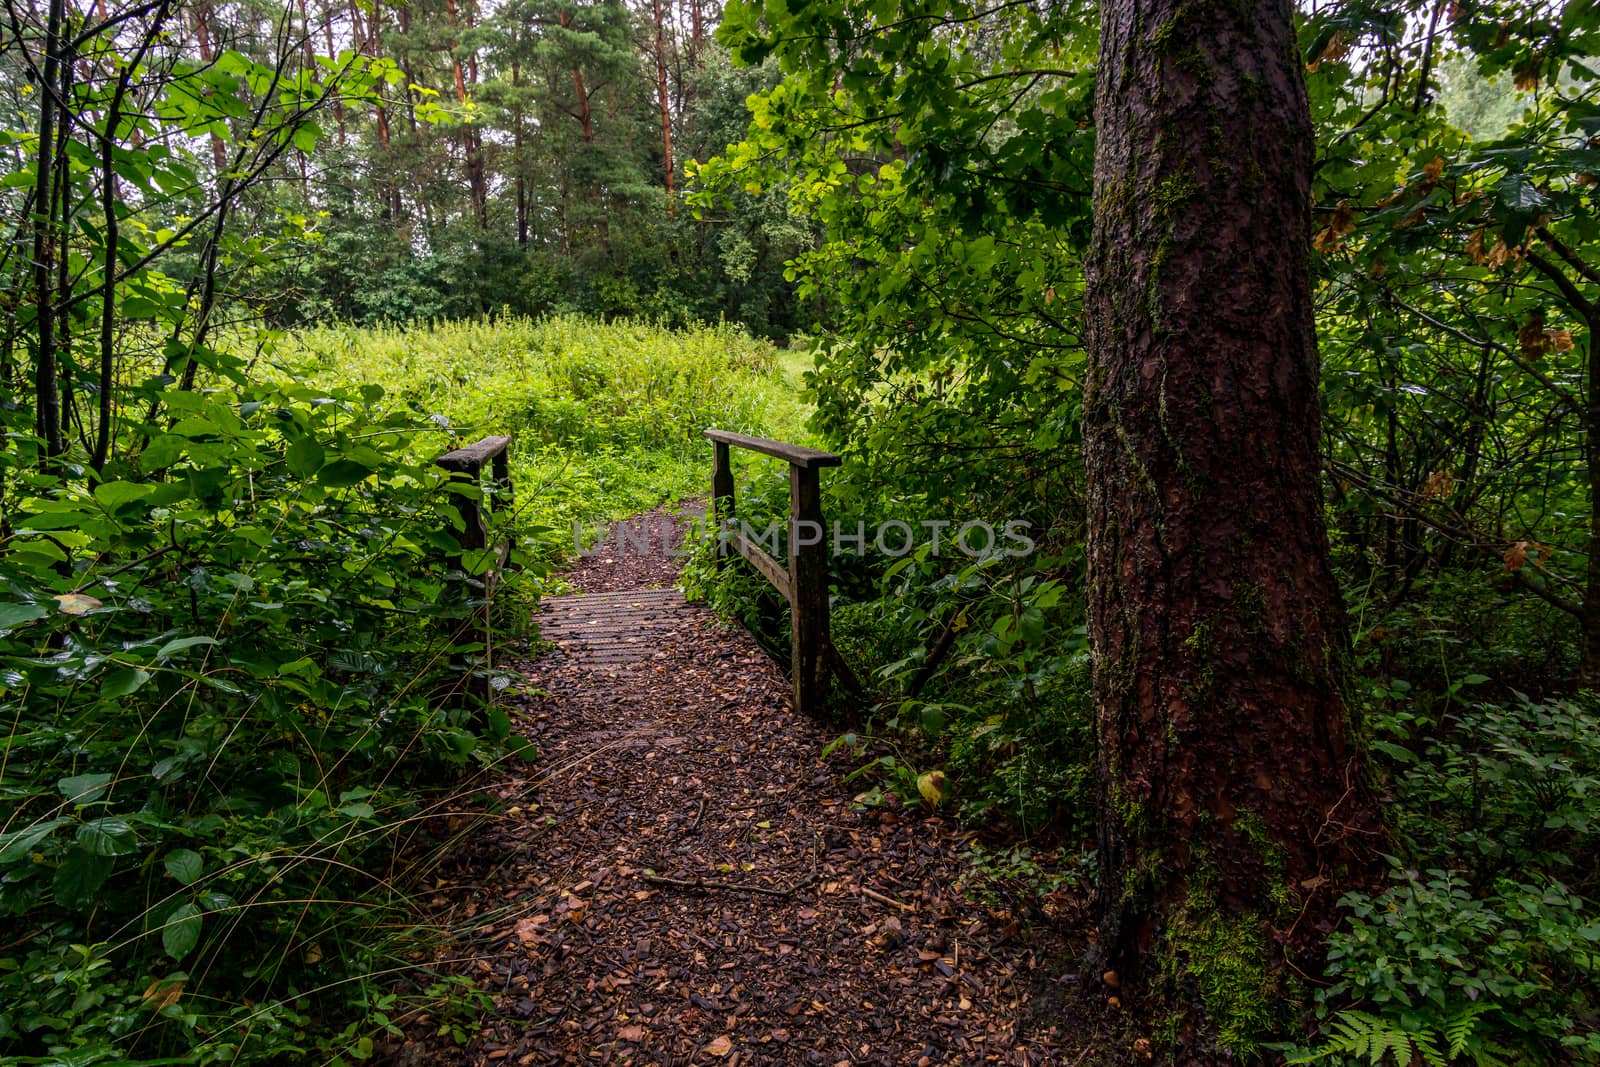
1234,809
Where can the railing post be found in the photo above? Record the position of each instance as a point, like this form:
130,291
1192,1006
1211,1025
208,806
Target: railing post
474,532
501,470
721,498
808,590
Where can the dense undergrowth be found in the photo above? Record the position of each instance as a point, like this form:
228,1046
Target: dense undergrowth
1484,949
242,674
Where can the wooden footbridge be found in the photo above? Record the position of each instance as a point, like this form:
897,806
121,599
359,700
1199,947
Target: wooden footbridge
621,627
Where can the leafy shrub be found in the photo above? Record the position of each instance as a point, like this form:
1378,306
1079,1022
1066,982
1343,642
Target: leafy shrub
1488,950
1498,976
233,678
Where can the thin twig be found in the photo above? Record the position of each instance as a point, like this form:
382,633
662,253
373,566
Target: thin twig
732,887
882,899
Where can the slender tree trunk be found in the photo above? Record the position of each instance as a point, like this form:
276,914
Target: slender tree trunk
47,390
338,98
202,30
471,140
518,162
1234,808
666,109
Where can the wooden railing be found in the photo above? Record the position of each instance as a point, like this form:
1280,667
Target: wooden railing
815,663
466,468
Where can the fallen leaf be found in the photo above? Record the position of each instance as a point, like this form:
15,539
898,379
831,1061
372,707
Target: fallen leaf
76,603
159,994
719,1046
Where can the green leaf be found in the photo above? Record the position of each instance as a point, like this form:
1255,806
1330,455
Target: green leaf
305,457
162,452
80,876
114,495
111,836
185,865
82,788
122,682
17,844
14,615
343,472
173,647
181,933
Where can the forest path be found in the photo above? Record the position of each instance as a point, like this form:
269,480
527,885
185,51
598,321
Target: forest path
686,881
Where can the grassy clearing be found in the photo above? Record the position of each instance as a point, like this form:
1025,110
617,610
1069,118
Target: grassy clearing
607,416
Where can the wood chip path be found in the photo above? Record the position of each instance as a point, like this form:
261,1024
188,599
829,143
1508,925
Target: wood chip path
684,880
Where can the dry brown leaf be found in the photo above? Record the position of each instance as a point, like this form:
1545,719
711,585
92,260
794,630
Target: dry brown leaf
1475,250
159,994
633,1034
1342,223
1516,556
719,1046
1434,169
1526,75
1336,48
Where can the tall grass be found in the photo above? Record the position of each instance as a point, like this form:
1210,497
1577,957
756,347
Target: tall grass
608,417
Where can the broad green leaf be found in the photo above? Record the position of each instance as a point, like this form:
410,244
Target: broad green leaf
114,495
110,836
343,472
305,457
82,788
14,615
120,683
80,876
185,865
181,932
17,844
176,645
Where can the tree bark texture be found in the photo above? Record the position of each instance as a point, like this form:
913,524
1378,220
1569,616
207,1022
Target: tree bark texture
1234,810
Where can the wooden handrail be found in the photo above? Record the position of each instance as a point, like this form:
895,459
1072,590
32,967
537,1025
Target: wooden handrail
466,468
814,662
797,455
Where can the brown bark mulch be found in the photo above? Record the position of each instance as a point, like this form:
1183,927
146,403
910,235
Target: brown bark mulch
680,878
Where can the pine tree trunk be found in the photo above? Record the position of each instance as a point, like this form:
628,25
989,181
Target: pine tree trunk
338,98
1234,810
471,141
665,106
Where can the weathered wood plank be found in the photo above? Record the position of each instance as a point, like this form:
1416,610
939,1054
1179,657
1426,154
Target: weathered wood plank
797,455
769,567
470,459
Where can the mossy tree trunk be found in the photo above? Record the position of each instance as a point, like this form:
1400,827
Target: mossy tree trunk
1234,811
